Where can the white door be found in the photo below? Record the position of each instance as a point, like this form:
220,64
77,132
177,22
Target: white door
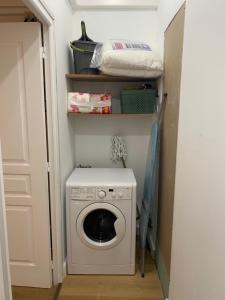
23,135
5,282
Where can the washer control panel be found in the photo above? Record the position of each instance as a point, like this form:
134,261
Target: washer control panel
113,193
83,193
101,193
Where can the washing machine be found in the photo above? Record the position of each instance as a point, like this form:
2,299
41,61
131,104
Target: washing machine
101,221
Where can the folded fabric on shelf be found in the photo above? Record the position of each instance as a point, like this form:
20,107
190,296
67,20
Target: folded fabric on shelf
94,103
127,58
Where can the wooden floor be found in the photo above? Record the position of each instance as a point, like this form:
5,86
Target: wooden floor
23,293
99,287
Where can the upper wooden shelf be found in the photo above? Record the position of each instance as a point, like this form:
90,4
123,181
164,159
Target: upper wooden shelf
105,78
108,115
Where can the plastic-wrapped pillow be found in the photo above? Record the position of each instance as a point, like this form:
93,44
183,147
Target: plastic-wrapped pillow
127,58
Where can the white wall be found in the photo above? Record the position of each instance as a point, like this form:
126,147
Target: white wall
198,261
92,134
166,12
140,25
93,142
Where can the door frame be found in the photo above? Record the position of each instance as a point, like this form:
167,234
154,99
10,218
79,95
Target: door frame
5,278
44,14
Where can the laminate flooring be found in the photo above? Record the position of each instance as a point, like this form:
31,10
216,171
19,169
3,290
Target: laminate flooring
24,293
105,287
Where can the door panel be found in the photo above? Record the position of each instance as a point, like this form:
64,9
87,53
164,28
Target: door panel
19,184
16,147
20,223
23,135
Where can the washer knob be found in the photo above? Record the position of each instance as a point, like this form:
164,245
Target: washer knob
120,194
101,194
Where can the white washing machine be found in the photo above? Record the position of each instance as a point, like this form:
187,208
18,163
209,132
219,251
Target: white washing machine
101,221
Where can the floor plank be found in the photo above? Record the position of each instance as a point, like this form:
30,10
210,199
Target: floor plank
105,287
24,293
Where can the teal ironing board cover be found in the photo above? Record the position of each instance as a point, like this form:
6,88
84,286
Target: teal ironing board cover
150,195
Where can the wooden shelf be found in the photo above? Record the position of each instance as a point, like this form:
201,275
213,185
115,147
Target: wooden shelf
105,78
107,115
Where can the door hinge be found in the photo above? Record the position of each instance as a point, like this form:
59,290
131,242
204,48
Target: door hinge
48,167
52,265
43,53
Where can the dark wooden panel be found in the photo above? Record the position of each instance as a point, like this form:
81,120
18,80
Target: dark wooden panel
173,63
11,3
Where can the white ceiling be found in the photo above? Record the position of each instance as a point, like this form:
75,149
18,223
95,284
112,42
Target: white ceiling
129,4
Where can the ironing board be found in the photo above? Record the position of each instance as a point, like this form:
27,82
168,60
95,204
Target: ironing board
150,195
150,191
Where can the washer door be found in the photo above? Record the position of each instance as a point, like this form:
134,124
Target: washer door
101,225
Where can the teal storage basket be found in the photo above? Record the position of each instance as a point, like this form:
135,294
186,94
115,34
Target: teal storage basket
138,101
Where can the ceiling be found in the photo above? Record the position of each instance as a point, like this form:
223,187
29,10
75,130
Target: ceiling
129,4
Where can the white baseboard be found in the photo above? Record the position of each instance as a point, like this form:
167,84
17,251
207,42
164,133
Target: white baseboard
64,269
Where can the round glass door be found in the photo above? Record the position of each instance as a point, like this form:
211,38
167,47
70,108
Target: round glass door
99,225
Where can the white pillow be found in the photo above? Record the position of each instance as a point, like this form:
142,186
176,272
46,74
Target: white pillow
131,72
128,58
